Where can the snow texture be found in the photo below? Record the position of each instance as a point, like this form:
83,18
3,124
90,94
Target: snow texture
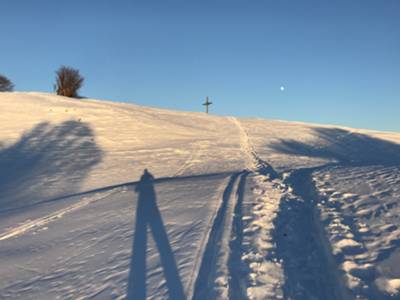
227,209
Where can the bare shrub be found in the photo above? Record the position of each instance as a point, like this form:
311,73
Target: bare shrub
5,84
68,82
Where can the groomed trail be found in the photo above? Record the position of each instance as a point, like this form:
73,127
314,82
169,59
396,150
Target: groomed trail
214,274
222,274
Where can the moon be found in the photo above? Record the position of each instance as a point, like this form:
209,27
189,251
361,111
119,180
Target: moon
282,88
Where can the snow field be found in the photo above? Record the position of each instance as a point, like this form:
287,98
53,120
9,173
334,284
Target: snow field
250,209
360,212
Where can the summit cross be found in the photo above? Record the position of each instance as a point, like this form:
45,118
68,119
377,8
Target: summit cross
207,104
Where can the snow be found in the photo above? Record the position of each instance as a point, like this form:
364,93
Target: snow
369,218
238,209
389,286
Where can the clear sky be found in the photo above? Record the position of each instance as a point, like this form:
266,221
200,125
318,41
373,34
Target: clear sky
338,61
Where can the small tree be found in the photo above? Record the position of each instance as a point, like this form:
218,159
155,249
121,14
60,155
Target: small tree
5,84
68,82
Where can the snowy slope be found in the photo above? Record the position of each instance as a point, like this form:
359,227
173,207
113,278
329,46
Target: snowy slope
345,209
239,209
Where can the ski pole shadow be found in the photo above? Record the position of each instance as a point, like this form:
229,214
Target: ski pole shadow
148,214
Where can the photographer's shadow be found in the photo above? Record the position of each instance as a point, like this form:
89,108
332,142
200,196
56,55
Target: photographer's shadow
148,214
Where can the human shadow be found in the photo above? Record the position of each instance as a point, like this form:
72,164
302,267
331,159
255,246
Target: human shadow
343,147
148,214
46,162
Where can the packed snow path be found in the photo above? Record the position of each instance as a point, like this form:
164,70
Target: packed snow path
307,264
299,245
239,209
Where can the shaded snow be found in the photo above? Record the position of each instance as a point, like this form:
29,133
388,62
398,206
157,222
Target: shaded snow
361,214
241,209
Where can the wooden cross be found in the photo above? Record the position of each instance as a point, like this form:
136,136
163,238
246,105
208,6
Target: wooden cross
206,104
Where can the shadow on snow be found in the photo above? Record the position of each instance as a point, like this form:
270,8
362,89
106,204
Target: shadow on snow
111,187
306,267
46,162
343,147
148,214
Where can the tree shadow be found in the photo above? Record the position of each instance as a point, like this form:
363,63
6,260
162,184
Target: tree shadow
46,162
343,147
297,235
148,214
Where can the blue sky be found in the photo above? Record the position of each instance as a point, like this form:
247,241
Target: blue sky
339,61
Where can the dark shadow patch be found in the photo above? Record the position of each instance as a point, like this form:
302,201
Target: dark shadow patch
299,241
48,161
148,214
307,271
344,147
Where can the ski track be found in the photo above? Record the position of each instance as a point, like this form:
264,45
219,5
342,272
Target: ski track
276,249
190,161
211,282
220,275
40,222
236,288
186,165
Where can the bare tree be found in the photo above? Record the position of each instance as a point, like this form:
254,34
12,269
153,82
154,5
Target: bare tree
68,82
5,84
